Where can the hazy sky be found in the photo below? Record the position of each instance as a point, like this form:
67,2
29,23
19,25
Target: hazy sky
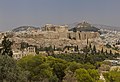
15,13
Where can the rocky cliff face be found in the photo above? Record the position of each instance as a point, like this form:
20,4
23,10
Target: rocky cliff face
55,35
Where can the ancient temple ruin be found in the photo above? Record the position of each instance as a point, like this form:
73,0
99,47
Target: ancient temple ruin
61,32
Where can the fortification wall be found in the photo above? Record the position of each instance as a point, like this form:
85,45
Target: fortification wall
82,35
51,35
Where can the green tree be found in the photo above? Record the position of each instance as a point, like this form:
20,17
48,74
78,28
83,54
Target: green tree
94,74
59,69
24,45
53,79
88,66
106,52
37,67
59,66
70,72
94,50
10,72
73,66
90,46
86,49
49,50
111,52
6,47
42,72
83,76
112,76
102,51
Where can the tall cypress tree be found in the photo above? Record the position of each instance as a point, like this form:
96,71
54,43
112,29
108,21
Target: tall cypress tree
106,52
90,46
94,50
6,47
111,52
102,50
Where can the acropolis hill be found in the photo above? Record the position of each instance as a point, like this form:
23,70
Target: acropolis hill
56,35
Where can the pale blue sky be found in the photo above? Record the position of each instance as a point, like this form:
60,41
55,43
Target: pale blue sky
15,13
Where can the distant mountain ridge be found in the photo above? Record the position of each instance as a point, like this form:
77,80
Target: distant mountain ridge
71,26
25,28
100,26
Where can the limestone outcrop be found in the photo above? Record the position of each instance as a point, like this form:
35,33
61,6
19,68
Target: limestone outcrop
55,35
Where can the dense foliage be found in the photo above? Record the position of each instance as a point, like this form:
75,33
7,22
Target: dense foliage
52,69
9,70
112,76
49,69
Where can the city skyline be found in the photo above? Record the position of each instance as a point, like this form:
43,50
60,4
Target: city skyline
15,13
